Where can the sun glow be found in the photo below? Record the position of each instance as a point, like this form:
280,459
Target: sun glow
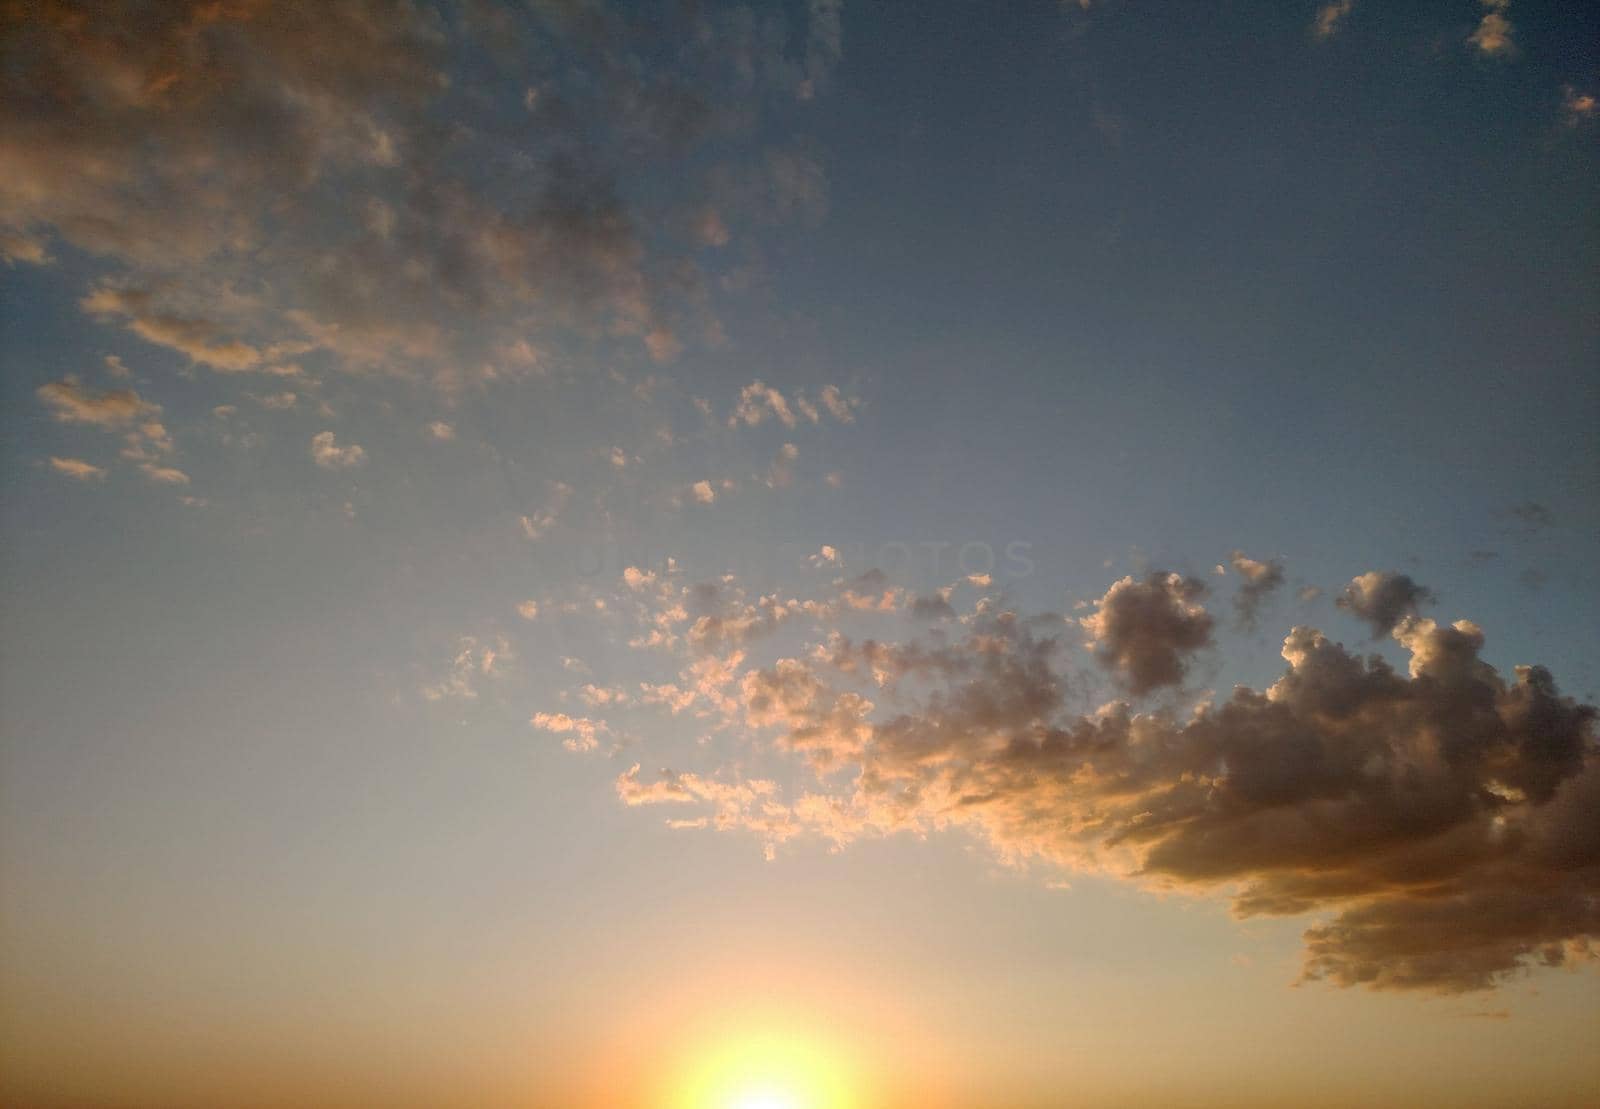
781,1069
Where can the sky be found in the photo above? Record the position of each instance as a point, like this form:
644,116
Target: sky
822,555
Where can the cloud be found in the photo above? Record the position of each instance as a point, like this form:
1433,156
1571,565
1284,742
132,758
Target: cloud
146,440
441,432
841,407
757,401
1439,820
580,732
703,492
1493,36
474,660
1261,580
780,475
1383,599
77,468
164,475
259,178
327,453
71,403
199,339
535,525
1576,107
1330,16
1143,630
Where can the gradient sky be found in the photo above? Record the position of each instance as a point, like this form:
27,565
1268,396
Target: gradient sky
1016,555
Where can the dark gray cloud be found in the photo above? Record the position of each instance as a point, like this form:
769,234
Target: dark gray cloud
1383,599
1144,631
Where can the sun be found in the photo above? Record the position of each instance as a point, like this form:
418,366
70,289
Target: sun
765,1099
767,1069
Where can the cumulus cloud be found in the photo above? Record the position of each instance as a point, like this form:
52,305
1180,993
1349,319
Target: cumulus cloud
328,454
1439,819
1383,599
1261,580
1144,631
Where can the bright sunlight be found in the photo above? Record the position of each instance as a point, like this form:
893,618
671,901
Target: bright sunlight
767,1070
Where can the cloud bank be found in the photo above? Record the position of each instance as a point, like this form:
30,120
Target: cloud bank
1438,818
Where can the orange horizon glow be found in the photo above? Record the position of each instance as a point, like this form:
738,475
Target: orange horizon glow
765,1061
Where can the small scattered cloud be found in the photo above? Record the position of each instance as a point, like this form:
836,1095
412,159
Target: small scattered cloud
1261,580
328,454
277,402
1330,17
77,468
536,524
580,733
72,403
164,475
1383,600
474,661
1576,107
1493,38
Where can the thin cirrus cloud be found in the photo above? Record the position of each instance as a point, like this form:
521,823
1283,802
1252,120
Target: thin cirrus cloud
1439,816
